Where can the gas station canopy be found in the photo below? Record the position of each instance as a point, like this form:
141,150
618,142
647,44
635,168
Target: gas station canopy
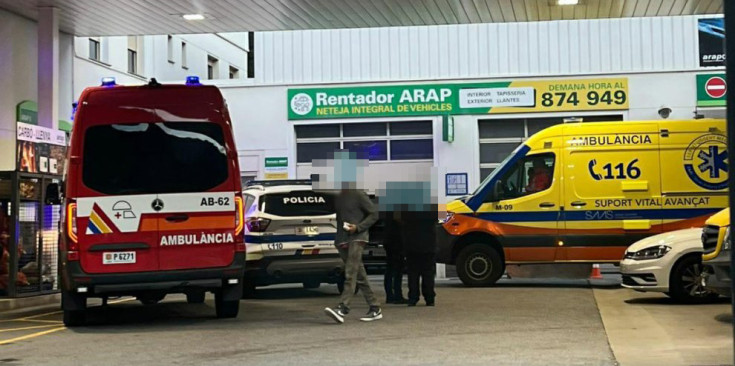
124,17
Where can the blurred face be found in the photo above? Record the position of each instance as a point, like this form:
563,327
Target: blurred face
342,172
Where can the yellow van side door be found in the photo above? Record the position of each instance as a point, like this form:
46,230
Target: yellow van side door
694,166
523,208
612,190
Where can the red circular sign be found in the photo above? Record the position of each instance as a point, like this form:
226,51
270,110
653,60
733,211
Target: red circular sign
715,87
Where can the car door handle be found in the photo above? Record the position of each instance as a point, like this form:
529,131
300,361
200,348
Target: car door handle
546,204
579,203
177,218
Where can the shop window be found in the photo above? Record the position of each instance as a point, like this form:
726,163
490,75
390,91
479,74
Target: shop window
495,153
411,128
530,175
502,128
363,129
484,172
372,150
308,151
412,149
316,131
212,68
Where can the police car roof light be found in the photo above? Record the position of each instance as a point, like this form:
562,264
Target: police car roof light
108,81
192,80
279,182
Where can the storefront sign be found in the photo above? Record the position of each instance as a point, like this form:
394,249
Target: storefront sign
481,98
711,41
276,168
711,90
448,129
38,149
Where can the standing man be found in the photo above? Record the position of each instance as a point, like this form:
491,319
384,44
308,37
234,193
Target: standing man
419,223
394,258
355,215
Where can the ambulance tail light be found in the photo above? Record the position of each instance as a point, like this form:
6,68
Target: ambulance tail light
257,224
72,246
239,215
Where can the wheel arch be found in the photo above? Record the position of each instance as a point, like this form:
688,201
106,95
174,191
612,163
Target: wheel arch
695,254
476,237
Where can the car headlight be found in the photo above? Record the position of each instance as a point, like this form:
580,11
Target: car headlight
649,253
728,243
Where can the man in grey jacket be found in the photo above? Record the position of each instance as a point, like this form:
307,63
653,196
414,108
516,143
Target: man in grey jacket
355,215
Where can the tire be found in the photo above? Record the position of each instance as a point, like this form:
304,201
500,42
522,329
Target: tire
685,282
479,265
248,290
225,309
196,297
151,299
75,309
75,318
312,285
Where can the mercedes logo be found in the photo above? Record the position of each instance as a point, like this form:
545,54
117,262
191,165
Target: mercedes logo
157,205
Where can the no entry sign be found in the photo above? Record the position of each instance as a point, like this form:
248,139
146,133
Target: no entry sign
711,90
715,87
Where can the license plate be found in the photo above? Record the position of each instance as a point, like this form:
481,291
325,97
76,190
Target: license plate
307,230
118,257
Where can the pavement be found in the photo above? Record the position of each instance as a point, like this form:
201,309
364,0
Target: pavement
519,322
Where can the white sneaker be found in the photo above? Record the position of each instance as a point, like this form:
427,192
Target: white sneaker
338,314
373,314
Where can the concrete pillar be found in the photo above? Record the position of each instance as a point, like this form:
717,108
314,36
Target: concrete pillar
48,67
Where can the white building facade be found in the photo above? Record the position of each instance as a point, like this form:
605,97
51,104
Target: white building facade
489,85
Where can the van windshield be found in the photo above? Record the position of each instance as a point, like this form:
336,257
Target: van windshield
146,158
298,203
497,170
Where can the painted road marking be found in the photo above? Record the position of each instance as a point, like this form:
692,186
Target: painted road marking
33,335
26,328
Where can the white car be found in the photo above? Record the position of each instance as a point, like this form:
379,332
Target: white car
670,263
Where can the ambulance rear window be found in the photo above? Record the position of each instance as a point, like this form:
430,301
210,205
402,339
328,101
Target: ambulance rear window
146,158
297,203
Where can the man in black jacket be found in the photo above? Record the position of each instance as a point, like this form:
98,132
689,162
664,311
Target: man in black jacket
394,258
419,224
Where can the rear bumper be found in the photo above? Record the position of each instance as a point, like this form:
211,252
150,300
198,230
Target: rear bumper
294,269
108,284
444,245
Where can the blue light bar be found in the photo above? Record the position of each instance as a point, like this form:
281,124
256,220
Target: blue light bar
108,81
192,80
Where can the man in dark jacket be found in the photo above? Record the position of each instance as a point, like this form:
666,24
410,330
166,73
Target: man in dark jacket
419,239
394,258
355,215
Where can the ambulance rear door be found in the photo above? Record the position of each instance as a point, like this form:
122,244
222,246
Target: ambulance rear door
694,166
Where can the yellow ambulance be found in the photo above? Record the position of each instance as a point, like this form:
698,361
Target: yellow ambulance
583,192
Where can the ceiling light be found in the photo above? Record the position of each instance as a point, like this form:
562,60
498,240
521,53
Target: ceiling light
196,16
567,2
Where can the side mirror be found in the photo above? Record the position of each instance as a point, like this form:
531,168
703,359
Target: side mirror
53,194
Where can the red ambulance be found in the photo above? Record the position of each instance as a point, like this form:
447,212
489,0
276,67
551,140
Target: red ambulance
152,198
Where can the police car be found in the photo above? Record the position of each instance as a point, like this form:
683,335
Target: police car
289,235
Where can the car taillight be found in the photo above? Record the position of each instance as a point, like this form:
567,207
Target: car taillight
257,224
239,215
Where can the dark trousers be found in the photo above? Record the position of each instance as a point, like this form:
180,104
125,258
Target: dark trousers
421,272
393,279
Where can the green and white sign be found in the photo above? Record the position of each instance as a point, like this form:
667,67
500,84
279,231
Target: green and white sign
711,90
515,96
276,168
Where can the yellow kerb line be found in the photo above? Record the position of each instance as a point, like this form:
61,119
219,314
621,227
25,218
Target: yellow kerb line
34,335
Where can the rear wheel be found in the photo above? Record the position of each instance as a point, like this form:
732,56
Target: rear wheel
479,265
225,308
686,283
196,297
75,309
